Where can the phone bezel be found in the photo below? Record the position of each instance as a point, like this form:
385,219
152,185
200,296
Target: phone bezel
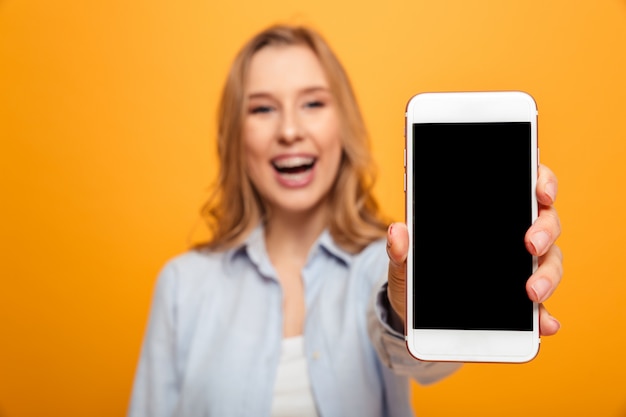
469,107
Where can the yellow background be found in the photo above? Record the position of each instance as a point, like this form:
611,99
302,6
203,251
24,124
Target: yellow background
107,113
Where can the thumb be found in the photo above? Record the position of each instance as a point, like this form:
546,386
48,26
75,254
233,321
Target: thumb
397,250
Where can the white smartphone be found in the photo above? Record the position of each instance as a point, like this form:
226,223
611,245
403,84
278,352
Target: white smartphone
471,168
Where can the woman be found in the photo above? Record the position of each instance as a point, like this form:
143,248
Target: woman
287,310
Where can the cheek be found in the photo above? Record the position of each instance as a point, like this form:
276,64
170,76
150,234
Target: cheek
253,168
331,141
258,135
336,159
253,160
252,156
253,142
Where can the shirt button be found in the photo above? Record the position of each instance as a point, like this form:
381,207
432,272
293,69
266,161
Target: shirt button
316,355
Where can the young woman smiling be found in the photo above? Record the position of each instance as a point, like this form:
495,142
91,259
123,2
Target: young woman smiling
296,304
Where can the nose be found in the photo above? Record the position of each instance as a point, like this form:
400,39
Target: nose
290,127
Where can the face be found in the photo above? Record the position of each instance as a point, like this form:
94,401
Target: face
291,130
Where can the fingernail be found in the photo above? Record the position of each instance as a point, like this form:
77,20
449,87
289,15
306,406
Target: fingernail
541,287
539,241
551,190
389,235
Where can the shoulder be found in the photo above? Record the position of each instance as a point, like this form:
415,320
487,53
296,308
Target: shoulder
374,253
375,248
194,261
191,268
371,257
372,261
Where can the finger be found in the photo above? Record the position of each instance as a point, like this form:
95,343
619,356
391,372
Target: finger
547,186
397,245
544,231
397,250
542,283
548,325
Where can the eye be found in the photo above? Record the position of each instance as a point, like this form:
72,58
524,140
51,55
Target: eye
314,104
260,109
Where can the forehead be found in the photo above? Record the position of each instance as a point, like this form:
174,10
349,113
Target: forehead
284,67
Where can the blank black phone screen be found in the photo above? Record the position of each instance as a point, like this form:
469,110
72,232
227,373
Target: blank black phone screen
472,207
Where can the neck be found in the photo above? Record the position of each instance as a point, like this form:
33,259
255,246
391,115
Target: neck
293,234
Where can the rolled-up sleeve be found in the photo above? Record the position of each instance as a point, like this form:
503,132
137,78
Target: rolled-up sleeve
391,347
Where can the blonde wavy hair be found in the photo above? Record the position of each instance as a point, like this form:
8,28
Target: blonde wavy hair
234,207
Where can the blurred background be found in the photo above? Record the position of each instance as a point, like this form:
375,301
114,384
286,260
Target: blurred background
107,120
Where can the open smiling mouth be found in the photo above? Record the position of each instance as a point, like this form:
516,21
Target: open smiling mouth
294,167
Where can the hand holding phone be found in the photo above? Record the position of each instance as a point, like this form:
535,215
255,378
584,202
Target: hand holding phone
471,170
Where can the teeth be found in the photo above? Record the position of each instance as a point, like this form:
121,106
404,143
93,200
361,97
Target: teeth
293,162
294,176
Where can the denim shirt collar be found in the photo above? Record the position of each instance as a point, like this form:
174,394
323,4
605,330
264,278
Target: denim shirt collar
253,247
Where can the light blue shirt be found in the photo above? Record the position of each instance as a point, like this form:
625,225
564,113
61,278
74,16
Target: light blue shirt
213,339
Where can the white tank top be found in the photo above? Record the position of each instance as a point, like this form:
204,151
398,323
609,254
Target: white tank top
292,392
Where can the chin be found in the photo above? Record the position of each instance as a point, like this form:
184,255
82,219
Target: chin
295,206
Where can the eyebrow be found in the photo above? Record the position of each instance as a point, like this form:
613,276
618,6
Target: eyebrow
308,90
